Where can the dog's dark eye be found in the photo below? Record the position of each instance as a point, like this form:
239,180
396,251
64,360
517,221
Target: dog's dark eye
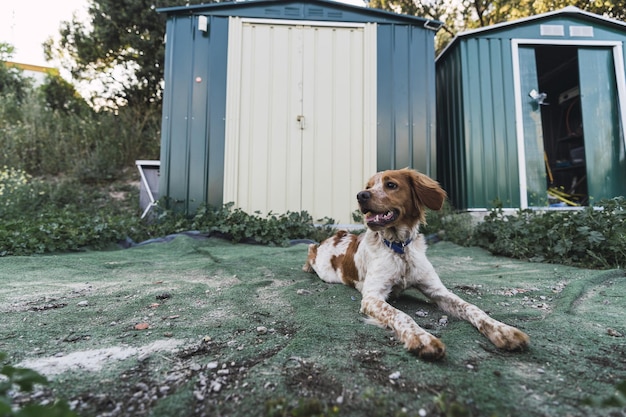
391,185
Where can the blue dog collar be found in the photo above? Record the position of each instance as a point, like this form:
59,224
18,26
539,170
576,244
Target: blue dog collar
397,247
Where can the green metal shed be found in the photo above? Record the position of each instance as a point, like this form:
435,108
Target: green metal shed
531,113
286,105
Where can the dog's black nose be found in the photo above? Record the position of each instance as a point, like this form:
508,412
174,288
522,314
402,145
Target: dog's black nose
363,196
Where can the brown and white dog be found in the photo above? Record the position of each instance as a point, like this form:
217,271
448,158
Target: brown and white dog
391,257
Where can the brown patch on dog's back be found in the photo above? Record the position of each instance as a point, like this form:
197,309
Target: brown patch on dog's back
349,272
339,237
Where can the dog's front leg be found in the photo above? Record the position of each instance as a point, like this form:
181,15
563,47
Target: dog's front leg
500,334
416,340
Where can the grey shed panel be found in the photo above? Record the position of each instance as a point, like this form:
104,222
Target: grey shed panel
192,144
406,98
477,77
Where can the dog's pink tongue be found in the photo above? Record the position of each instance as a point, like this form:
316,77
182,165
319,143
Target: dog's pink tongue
372,218
378,218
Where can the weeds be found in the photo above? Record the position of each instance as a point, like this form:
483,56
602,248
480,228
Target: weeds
68,215
26,379
594,237
236,225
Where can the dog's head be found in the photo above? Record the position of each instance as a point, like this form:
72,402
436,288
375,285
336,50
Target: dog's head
398,199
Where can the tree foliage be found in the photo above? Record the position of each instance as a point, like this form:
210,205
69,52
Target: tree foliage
463,15
121,45
13,83
124,41
58,94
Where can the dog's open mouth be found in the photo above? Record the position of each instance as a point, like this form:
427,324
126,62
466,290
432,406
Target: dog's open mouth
380,219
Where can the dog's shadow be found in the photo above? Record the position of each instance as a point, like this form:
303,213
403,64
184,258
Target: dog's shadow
425,312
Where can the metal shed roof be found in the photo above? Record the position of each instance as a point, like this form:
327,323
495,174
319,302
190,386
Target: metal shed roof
321,10
571,11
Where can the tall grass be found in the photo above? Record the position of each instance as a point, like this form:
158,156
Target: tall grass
90,146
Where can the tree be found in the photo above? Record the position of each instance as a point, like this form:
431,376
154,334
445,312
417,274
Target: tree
13,83
60,95
122,46
462,15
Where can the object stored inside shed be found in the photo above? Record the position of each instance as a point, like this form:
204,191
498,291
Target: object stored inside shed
563,133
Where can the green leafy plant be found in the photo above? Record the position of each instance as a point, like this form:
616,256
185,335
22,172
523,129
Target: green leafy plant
235,224
448,407
448,224
594,237
40,217
67,215
25,380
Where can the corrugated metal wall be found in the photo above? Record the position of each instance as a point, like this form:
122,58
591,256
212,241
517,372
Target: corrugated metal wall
406,98
301,118
451,147
192,138
477,141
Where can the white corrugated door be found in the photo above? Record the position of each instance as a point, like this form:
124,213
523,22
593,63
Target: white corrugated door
300,125
336,150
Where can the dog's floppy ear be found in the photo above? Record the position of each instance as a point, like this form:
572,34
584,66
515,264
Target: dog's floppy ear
426,190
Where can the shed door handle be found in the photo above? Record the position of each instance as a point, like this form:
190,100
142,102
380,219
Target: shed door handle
300,119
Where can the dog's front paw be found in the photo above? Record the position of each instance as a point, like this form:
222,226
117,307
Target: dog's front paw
508,337
426,346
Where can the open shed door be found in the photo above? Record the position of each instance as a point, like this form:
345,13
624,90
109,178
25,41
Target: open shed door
300,122
604,144
533,168
570,111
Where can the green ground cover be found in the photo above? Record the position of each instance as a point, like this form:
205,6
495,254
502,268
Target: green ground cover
210,328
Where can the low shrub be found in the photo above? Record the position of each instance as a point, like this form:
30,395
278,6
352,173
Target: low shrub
448,224
68,215
594,237
236,225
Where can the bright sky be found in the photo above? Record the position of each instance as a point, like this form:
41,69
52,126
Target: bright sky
27,24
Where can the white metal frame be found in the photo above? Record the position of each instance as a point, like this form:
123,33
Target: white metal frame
618,59
140,164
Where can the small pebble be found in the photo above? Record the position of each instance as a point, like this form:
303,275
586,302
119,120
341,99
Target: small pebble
83,303
395,375
261,330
